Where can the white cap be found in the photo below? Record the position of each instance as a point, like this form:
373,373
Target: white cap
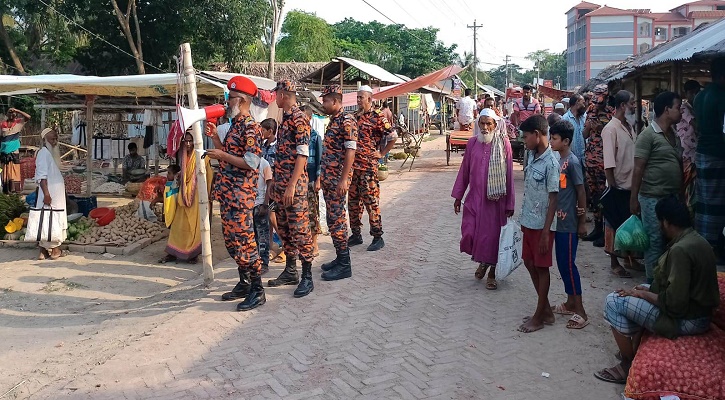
565,100
365,88
559,106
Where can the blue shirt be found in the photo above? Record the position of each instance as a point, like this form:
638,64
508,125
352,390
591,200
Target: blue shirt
541,178
313,160
269,152
577,145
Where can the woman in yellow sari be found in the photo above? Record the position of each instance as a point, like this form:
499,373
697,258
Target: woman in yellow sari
185,231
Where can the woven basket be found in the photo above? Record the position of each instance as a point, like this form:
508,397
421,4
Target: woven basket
133,187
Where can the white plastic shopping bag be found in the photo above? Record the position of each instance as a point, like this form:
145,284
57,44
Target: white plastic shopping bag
46,225
510,245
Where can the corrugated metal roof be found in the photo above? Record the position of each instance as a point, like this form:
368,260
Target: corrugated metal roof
372,70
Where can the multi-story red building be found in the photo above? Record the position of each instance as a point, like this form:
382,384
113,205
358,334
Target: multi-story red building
600,36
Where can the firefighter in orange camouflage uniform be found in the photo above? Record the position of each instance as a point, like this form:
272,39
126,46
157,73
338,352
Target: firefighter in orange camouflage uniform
337,158
236,188
373,130
290,191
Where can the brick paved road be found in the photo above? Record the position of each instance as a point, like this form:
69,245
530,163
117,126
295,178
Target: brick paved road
411,323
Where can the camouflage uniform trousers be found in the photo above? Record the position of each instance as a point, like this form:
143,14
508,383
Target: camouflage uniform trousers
336,218
239,237
313,202
365,191
261,232
293,225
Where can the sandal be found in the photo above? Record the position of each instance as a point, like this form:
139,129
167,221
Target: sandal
621,272
561,310
491,284
481,271
577,322
43,254
56,255
167,258
615,374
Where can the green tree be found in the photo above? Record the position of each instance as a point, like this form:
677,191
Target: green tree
411,52
218,31
305,37
551,65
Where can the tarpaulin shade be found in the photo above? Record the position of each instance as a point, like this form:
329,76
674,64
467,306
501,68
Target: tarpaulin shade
554,93
419,82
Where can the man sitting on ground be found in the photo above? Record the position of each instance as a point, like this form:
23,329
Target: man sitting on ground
681,299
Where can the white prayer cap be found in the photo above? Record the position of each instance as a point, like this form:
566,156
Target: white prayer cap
365,88
565,100
559,106
487,112
45,132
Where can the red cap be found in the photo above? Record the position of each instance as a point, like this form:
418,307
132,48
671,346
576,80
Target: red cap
242,84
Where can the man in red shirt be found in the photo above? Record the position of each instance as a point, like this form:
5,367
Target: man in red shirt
525,107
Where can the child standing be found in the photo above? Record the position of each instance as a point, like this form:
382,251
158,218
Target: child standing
570,221
261,213
313,187
541,186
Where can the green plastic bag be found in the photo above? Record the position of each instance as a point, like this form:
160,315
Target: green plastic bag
631,236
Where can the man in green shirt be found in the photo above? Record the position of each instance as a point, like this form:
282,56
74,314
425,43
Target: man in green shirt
710,158
681,299
657,171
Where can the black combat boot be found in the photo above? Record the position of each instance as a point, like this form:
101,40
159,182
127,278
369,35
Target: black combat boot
328,265
377,244
342,270
306,286
256,297
289,276
241,290
355,239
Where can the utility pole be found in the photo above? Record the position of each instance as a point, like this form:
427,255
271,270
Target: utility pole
475,57
508,58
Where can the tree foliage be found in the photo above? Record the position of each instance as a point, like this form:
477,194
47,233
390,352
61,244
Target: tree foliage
305,37
411,52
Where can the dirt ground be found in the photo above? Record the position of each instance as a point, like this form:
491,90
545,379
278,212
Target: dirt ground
412,322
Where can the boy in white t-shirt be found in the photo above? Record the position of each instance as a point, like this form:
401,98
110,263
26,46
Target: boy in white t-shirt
261,212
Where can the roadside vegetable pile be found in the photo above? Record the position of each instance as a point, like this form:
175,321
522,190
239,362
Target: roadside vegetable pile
126,228
11,207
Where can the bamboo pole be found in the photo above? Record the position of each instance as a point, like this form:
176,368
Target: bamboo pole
201,189
90,99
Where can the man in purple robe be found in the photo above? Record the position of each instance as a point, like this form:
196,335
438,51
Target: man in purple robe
487,173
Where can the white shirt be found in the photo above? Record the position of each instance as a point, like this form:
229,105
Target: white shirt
222,130
465,109
265,174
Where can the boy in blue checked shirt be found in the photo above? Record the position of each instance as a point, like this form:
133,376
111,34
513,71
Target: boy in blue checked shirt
570,221
541,187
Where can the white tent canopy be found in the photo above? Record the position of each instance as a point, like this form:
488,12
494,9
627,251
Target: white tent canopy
150,85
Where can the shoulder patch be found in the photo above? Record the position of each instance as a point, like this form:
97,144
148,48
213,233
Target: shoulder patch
250,142
300,128
387,125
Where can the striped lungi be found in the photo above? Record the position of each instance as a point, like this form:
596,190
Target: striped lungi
710,195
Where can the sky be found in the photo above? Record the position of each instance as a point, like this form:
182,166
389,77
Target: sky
516,28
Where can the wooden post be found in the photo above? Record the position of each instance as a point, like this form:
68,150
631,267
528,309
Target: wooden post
342,74
90,100
638,101
155,133
201,189
43,117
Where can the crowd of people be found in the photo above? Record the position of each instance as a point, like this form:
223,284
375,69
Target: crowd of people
269,180
589,156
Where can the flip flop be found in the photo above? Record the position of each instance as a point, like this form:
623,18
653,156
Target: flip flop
561,310
526,319
491,284
481,271
577,322
608,375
